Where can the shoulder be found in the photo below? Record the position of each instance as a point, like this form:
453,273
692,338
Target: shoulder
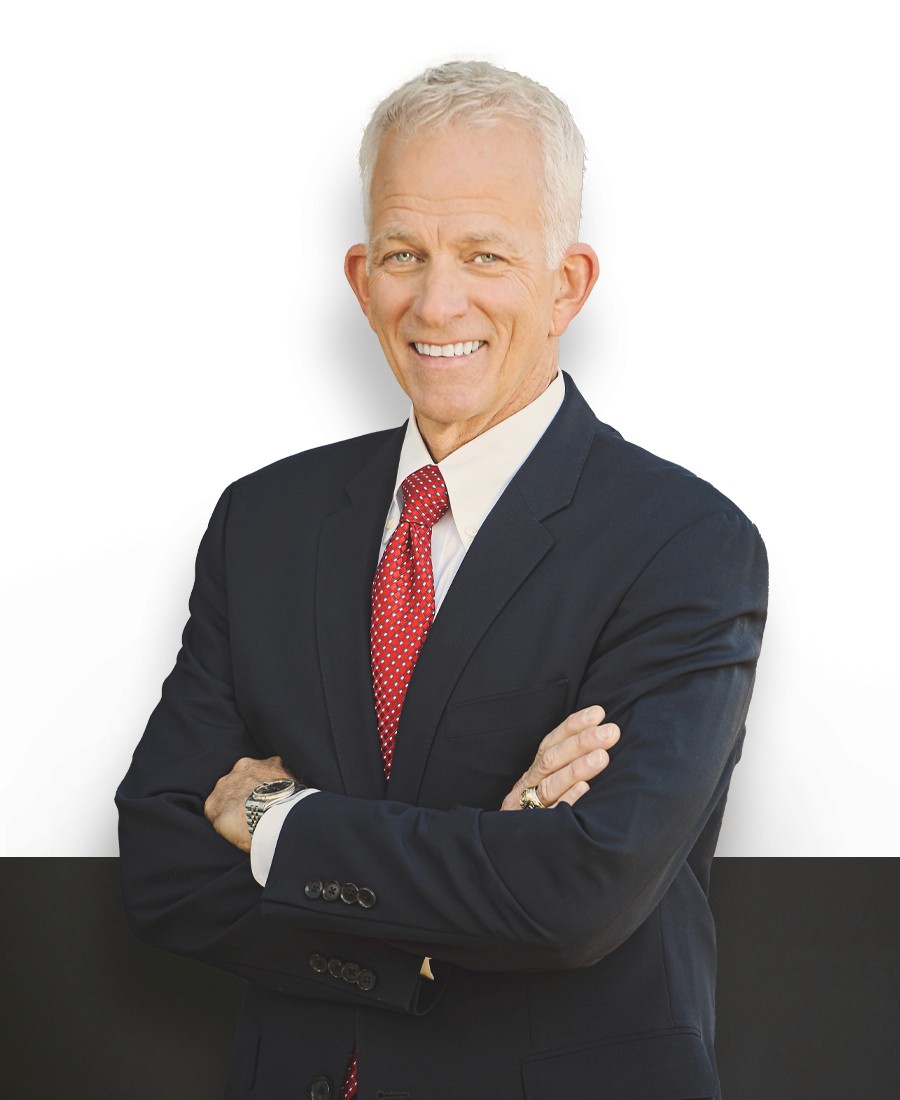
647,503
333,461
673,531
316,475
650,483
619,481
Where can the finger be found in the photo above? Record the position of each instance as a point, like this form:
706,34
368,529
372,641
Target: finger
562,754
575,723
574,776
556,757
572,795
581,770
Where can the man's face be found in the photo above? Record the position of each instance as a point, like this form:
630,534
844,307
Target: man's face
457,288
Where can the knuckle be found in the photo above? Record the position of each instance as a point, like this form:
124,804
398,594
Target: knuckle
570,796
599,758
587,766
580,769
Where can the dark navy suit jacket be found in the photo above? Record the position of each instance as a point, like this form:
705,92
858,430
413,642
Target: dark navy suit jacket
574,948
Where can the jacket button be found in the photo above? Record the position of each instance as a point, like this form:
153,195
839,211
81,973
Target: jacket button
366,980
350,972
319,963
366,897
320,1089
335,966
312,889
349,893
331,891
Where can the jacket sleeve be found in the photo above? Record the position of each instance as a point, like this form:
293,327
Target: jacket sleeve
188,890
492,890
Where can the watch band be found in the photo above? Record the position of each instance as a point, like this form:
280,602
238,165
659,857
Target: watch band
266,795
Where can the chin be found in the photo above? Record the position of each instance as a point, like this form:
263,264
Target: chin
446,405
445,415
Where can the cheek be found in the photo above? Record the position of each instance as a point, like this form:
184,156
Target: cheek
523,306
384,303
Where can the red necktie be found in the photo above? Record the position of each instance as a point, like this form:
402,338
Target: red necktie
402,611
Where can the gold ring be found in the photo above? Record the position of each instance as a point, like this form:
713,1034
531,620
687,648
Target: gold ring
530,800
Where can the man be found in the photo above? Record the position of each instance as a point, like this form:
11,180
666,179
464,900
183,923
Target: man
401,622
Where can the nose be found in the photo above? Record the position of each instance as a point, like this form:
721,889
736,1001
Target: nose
442,296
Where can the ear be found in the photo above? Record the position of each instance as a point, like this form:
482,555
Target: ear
577,274
357,276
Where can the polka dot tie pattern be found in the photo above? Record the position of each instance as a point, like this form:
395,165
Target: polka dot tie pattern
402,613
403,600
348,1086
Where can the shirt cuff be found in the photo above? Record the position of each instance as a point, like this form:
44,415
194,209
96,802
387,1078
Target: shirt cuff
266,833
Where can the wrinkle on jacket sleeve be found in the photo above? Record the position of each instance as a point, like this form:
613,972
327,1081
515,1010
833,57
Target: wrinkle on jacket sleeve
562,888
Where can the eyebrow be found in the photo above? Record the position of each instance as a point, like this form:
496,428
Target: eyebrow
392,233
405,236
488,238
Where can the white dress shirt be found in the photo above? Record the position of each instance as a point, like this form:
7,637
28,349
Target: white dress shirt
476,475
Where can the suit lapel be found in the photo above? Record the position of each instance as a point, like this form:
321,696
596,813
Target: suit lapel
349,542
510,545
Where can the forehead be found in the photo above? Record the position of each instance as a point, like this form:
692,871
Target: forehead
460,174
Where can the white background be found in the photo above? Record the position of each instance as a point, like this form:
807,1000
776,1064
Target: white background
178,191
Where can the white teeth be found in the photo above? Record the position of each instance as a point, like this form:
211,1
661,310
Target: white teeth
449,350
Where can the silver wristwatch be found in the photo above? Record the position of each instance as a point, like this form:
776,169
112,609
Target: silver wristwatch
269,794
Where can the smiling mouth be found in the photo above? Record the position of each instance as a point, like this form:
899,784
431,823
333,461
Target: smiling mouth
449,351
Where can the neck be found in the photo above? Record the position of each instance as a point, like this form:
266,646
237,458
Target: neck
443,439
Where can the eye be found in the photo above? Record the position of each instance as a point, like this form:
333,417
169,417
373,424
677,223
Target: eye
486,258
402,257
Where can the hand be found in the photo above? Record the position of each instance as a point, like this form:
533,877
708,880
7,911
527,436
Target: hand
226,806
567,758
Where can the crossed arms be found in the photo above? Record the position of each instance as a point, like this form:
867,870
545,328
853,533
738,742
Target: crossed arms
483,889
567,758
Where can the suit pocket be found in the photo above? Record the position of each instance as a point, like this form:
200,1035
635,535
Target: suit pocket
661,1065
485,744
534,708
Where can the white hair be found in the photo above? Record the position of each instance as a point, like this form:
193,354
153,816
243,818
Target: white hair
478,93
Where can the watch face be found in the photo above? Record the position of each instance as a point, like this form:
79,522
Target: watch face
274,786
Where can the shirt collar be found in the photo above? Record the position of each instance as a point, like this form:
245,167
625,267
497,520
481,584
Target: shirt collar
477,473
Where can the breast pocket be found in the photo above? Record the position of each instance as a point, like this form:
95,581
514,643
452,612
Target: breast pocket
662,1065
487,743
506,714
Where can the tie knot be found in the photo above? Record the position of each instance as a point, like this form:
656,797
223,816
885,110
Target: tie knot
424,496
